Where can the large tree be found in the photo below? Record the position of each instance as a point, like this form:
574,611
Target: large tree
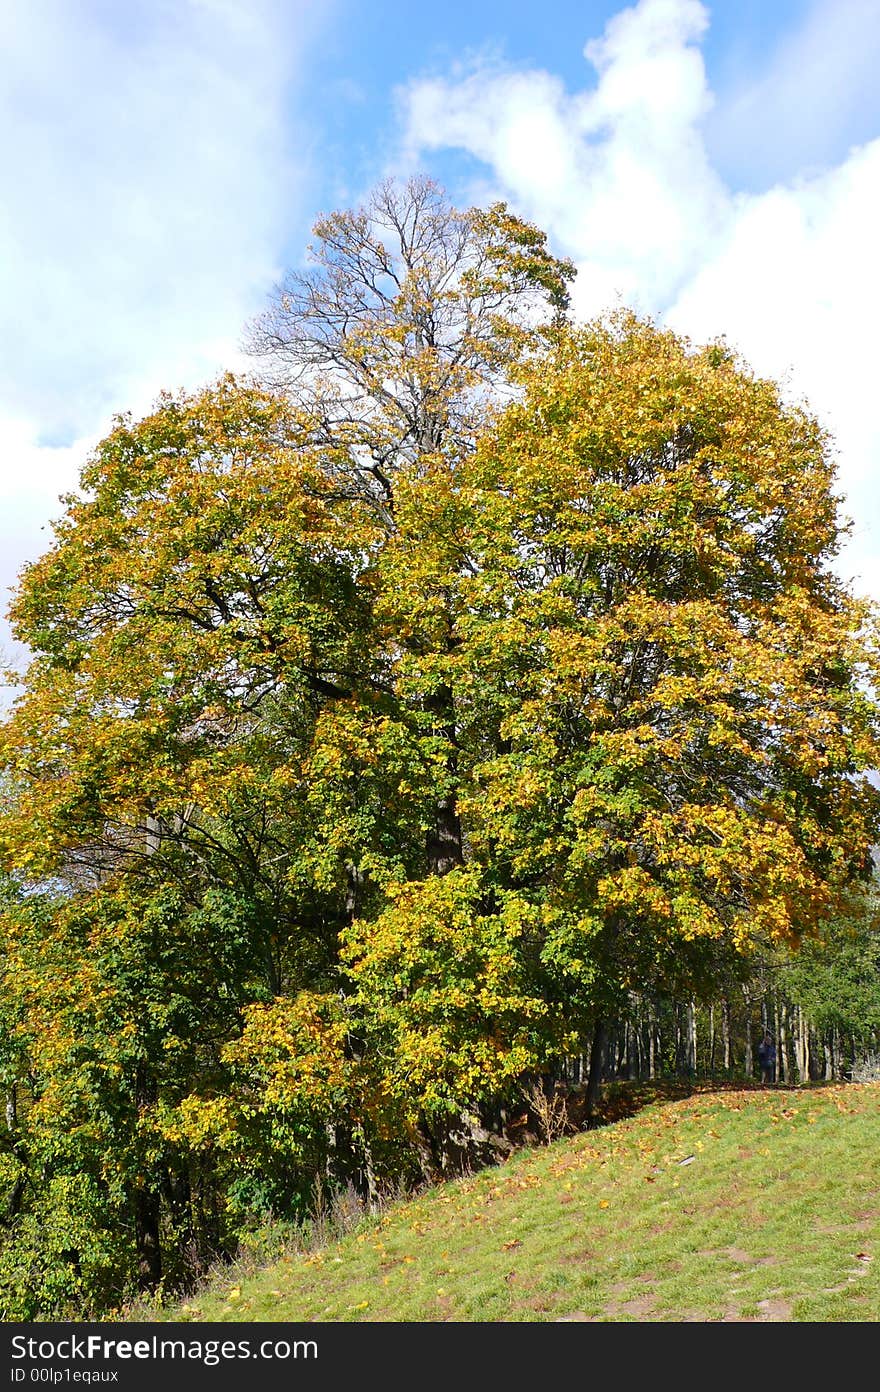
662,694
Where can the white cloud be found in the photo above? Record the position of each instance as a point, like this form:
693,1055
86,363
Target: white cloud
148,185
31,479
145,187
793,283
618,173
620,177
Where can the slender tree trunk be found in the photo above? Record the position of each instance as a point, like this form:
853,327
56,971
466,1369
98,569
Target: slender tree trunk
802,1047
681,1042
146,1202
725,1034
811,1040
807,1051
367,1170
594,1080
783,1044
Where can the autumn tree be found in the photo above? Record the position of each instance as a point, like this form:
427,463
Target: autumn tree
661,687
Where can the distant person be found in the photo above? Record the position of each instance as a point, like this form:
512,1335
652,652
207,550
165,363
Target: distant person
767,1059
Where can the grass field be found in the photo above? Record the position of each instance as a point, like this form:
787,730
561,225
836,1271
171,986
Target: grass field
731,1205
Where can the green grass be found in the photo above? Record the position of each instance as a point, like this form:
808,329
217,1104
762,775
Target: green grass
736,1205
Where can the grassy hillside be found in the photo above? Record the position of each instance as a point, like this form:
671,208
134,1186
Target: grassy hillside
738,1205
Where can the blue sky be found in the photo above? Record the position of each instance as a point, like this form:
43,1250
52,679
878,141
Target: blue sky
714,164
368,50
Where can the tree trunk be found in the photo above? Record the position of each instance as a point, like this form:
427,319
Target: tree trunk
148,1242
632,1044
783,1044
354,883
443,845
148,1239
725,1034
802,1048
367,1170
808,1061
594,1081
692,1038
681,1043
12,1108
